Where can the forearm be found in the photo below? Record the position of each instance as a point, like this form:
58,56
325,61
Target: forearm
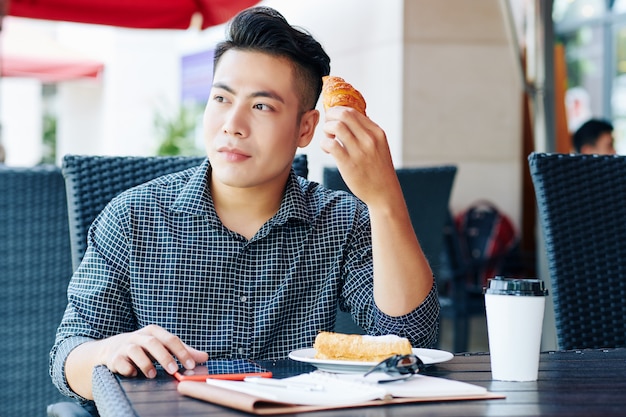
79,366
402,276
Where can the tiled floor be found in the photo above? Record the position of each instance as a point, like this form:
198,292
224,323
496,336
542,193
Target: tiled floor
478,341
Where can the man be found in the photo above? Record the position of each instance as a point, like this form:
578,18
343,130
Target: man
595,136
240,257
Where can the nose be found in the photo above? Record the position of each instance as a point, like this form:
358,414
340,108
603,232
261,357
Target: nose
236,121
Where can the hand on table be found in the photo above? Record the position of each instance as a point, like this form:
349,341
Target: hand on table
128,353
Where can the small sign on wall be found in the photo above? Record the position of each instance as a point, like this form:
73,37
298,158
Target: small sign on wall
196,76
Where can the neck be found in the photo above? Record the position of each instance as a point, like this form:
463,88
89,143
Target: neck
245,210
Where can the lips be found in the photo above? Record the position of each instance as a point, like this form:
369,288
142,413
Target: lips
232,154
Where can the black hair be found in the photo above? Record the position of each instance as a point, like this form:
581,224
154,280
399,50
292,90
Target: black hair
264,29
589,132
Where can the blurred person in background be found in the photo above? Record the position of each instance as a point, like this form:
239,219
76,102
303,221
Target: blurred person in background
595,136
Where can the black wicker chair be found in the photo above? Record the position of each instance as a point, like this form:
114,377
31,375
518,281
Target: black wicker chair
93,181
35,268
427,193
581,200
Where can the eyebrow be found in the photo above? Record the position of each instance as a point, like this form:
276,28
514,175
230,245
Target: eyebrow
262,93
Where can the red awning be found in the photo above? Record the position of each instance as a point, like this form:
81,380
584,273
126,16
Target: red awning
51,71
146,14
26,52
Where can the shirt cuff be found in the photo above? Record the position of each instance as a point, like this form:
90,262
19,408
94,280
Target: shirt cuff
420,326
57,369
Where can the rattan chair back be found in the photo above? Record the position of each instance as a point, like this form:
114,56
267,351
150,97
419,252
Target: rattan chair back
582,209
35,268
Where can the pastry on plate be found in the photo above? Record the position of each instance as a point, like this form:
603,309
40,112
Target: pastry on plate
353,347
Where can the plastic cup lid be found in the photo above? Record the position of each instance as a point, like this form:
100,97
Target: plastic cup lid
516,286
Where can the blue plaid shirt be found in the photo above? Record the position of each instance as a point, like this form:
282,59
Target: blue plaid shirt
158,254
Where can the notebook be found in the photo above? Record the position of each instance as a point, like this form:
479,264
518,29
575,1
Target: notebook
320,390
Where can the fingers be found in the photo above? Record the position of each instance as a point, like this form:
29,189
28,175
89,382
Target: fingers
164,344
334,147
353,139
361,152
352,129
137,351
197,356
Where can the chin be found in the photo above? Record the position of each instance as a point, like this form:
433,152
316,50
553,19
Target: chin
236,178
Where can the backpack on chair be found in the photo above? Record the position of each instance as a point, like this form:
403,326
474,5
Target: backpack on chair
488,241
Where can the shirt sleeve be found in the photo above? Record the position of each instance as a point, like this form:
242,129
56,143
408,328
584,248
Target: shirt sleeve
98,296
421,326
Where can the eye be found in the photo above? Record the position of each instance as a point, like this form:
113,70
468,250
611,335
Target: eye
219,99
263,107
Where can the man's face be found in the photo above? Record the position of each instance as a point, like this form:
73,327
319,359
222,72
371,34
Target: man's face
603,146
251,127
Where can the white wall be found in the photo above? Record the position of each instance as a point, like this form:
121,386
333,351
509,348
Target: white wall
20,115
80,118
115,115
462,101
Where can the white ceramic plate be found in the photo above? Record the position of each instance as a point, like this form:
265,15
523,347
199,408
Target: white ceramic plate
428,356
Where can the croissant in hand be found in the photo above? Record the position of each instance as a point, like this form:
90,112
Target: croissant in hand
337,92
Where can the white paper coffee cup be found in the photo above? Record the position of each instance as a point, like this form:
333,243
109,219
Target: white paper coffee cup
515,309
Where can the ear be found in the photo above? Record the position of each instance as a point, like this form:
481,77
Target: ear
587,149
308,123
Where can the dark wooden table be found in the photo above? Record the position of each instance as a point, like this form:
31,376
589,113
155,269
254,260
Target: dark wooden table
571,383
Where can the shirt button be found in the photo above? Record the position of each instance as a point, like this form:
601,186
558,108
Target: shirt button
240,351
243,298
